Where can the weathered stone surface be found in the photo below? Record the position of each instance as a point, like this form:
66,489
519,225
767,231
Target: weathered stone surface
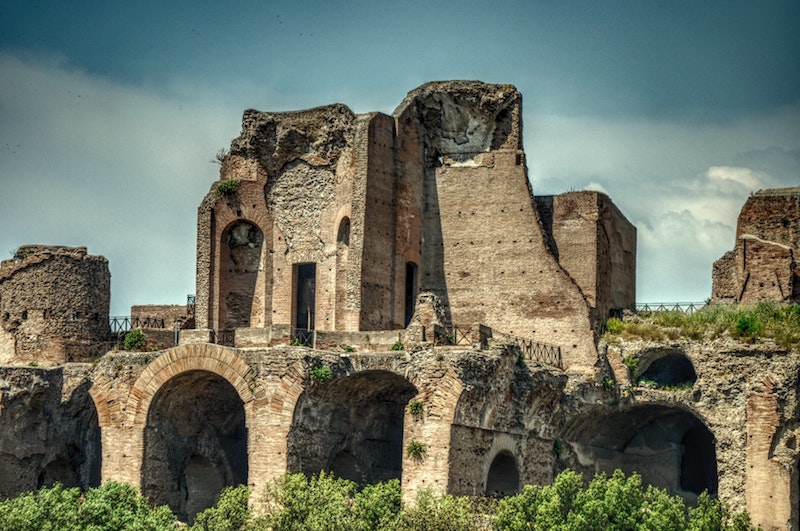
54,304
764,264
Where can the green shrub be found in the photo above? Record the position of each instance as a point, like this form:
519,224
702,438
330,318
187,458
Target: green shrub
416,450
614,326
109,507
632,363
227,188
433,512
135,340
398,345
230,513
321,374
416,408
294,502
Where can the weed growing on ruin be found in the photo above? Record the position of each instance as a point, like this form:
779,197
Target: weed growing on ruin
609,384
349,348
227,188
416,408
416,450
321,374
558,447
398,345
135,340
632,363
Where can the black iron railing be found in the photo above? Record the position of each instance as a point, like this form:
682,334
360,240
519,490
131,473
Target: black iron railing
541,352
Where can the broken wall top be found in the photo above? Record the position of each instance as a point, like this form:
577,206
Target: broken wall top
465,117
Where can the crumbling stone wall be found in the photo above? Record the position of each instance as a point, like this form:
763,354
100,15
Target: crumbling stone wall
764,263
48,429
54,303
596,244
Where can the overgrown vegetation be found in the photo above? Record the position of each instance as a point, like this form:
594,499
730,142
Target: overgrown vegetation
135,340
416,450
227,188
296,502
321,374
397,345
416,408
763,321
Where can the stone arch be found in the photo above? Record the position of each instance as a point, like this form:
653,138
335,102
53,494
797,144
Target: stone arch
356,423
241,282
669,446
196,357
195,442
667,368
502,478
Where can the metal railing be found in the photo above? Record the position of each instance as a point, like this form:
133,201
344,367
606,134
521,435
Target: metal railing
124,324
687,308
541,352
223,337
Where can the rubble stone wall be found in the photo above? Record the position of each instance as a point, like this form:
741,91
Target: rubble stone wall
54,303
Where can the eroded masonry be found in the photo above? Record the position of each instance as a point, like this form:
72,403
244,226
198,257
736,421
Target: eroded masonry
385,297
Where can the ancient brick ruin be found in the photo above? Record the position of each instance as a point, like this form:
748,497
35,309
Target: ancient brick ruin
332,240
764,264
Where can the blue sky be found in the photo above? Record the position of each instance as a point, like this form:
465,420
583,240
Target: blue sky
110,112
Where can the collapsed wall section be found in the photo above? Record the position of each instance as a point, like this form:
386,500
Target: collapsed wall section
54,303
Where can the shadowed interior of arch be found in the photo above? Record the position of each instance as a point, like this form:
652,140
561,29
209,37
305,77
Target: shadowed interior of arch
195,443
356,424
671,370
669,447
503,477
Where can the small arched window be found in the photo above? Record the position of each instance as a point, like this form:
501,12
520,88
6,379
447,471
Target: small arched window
343,235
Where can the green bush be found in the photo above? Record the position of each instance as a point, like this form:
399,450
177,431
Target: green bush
321,374
110,507
135,340
416,450
397,345
230,513
433,512
227,188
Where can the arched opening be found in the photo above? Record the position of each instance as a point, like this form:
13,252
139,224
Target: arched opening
343,234
503,477
356,424
240,264
669,447
195,443
342,259
411,291
671,370
699,462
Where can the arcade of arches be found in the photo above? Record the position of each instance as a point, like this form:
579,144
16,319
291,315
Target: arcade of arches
188,421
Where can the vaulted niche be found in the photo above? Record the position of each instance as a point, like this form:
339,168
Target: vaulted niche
195,443
342,268
73,456
669,447
411,291
503,477
671,369
240,263
356,425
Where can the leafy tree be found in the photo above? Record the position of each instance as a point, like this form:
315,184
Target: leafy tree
230,513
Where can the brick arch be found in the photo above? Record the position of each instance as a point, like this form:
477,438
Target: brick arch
200,357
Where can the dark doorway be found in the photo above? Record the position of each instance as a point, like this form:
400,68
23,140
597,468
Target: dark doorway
699,463
411,290
305,295
503,478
